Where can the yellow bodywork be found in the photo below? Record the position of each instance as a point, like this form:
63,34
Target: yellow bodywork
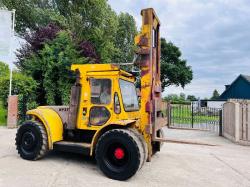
52,122
106,71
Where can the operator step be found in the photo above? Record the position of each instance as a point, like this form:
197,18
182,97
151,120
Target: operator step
75,147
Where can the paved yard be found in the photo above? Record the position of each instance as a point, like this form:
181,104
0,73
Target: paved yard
176,165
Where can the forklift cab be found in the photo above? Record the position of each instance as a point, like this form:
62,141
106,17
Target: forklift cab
102,95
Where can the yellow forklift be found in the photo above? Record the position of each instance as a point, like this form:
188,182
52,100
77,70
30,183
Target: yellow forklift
104,118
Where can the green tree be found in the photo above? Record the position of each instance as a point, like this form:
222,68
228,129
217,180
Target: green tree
33,14
125,38
4,70
182,97
174,70
191,98
171,97
50,67
215,95
94,21
90,20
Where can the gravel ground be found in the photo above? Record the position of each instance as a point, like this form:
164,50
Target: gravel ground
176,165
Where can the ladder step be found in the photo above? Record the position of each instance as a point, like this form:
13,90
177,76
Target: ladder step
73,147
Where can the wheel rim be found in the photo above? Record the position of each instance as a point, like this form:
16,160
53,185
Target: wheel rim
119,153
116,156
28,142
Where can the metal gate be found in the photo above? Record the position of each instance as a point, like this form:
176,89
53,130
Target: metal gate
188,116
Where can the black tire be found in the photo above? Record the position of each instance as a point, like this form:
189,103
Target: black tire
31,140
143,143
119,168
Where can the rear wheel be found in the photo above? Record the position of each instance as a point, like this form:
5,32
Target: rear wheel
31,140
119,154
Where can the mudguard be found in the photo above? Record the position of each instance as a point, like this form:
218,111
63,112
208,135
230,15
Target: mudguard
52,122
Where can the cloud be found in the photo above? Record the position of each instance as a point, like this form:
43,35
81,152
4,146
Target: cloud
213,36
16,43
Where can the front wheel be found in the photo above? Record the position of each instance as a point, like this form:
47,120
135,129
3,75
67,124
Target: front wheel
31,140
119,154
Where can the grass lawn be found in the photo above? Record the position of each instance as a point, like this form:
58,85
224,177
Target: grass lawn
3,113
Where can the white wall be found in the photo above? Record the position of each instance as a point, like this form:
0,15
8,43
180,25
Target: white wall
215,104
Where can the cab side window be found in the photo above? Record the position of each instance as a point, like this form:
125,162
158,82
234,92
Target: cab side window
117,106
100,91
99,115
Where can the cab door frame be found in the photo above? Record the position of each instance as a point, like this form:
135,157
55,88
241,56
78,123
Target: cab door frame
86,104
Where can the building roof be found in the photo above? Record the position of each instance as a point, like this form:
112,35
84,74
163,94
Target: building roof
245,77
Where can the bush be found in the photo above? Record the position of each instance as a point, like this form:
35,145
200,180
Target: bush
3,114
4,70
50,68
23,86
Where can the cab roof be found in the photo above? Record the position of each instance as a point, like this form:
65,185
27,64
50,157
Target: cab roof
98,68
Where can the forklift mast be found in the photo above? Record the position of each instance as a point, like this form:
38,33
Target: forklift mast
148,42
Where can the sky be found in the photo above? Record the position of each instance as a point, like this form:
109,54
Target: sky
15,44
8,44
213,36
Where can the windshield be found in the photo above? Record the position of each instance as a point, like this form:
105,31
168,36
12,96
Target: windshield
129,96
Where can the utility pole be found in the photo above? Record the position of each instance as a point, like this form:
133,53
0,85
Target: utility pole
12,118
11,49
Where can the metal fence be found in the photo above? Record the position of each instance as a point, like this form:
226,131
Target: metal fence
189,116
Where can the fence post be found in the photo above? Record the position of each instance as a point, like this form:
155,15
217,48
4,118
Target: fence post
192,119
169,113
220,122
